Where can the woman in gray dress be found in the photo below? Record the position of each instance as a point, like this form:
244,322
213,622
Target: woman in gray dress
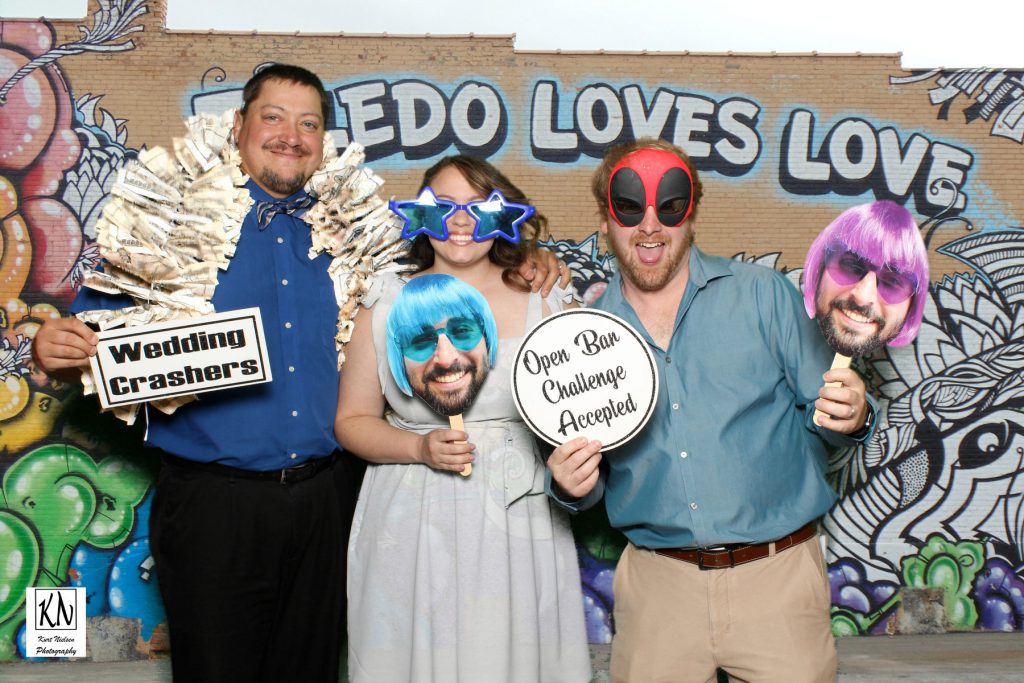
457,578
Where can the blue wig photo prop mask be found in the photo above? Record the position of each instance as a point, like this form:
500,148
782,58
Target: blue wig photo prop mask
442,340
495,217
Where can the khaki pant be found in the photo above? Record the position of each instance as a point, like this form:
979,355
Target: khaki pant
763,621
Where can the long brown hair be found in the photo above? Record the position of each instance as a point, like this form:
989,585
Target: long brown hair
484,177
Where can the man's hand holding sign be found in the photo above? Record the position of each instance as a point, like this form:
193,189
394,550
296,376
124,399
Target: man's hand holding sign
585,382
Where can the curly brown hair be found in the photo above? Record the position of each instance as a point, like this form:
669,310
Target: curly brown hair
485,177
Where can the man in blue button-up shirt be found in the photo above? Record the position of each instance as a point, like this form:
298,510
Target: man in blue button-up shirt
720,494
247,522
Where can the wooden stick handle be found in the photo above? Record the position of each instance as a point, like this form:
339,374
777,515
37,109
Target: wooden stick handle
838,363
455,422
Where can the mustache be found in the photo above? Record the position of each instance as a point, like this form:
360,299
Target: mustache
457,366
638,237
285,147
863,311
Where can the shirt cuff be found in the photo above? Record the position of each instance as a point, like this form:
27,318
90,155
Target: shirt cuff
568,502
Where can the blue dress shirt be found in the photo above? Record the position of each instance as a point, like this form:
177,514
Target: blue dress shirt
291,419
730,454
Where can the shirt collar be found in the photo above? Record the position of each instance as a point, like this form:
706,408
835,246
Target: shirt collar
703,269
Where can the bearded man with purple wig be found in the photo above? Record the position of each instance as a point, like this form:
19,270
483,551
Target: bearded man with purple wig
866,279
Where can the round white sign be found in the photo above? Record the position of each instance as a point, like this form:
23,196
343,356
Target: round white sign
584,372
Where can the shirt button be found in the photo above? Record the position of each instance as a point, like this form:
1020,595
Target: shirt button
684,455
284,282
291,368
693,506
293,456
675,406
280,240
287,326
295,413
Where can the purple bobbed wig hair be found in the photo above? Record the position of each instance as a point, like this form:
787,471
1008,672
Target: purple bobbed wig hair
882,232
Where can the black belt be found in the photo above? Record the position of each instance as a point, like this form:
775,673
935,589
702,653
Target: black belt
732,555
288,475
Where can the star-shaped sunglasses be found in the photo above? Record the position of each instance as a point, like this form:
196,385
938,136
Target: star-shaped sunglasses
493,217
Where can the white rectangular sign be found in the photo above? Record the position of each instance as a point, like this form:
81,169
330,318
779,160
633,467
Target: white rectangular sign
54,622
189,356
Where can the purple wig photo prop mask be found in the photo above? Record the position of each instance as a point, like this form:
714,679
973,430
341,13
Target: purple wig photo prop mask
866,279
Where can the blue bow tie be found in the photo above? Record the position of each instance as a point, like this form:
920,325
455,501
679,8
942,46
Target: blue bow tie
266,210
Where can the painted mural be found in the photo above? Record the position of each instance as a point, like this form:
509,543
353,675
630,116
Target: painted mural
936,499
74,494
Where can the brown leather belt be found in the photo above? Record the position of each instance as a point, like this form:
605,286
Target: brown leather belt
731,555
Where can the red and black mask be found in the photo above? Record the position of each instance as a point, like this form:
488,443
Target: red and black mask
650,177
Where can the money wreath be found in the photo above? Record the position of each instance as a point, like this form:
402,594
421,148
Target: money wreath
175,216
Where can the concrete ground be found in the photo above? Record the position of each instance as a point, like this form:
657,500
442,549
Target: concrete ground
945,658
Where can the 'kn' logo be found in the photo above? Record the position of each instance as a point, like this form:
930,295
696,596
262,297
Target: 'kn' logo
56,609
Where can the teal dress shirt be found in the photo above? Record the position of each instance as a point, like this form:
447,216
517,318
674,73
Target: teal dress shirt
730,454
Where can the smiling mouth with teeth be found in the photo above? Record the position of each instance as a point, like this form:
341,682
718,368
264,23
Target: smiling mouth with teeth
858,318
449,377
855,314
460,240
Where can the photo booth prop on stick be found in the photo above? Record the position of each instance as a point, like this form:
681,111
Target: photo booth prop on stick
442,341
866,281
584,372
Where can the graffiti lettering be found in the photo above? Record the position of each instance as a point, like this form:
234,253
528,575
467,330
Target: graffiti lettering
854,158
474,119
720,136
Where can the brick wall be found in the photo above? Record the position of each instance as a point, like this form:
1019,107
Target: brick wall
784,143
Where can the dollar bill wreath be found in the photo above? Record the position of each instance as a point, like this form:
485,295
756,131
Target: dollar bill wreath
175,216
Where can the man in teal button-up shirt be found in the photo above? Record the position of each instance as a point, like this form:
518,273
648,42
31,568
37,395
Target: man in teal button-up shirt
730,461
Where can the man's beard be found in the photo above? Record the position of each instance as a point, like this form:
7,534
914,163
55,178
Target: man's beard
275,182
281,185
846,343
446,403
647,278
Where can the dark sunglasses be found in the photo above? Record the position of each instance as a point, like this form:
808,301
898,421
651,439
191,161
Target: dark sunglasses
493,217
463,333
849,268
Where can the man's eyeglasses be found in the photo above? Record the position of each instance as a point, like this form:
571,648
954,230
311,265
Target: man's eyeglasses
849,268
493,217
463,333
